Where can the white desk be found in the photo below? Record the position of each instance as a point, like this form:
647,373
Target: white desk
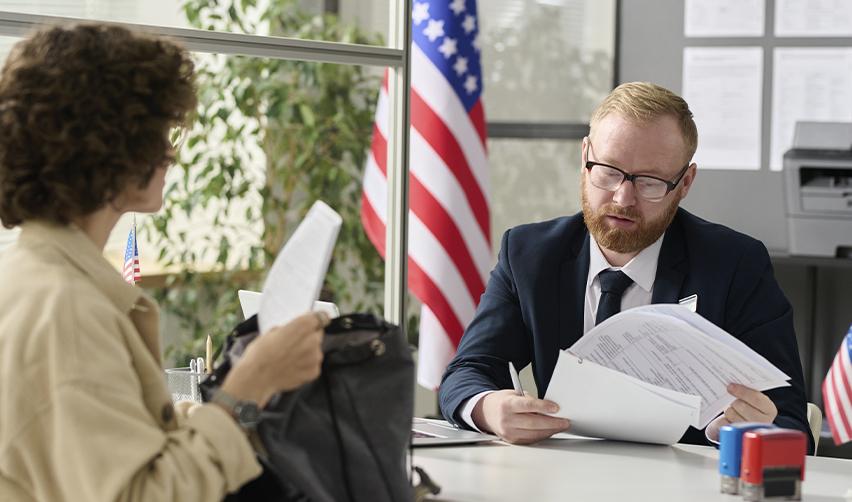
587,470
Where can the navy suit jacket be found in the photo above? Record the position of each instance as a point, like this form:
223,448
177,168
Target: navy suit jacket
533,306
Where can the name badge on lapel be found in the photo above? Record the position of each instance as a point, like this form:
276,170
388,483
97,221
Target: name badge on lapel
690,302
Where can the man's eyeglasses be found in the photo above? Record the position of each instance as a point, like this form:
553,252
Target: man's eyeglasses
650,188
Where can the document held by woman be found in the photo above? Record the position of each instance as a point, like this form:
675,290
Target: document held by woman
293,283
648,373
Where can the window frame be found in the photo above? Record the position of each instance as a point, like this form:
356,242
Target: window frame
557,130
395,57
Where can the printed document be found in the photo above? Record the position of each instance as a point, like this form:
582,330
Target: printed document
662,366
296,277
724,87
642,412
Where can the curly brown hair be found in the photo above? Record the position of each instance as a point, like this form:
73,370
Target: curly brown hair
85,112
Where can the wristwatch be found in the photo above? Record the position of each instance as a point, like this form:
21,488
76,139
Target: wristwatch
246,413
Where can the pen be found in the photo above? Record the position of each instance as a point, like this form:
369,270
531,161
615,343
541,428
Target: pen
516,380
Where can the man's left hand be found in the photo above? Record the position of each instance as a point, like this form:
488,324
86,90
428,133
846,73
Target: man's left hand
750,406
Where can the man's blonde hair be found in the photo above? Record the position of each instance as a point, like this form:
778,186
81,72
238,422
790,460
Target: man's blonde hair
643,102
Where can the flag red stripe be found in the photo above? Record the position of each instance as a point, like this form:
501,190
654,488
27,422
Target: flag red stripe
442,140
427,207
379,147
420,284
828,388
436,218
373,225
829,414
444,228
844,376
448,201
840,368
426,290
477,116
433,214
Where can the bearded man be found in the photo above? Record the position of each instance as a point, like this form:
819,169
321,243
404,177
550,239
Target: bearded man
632,245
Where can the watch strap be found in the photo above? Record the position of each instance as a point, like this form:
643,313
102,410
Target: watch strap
246,413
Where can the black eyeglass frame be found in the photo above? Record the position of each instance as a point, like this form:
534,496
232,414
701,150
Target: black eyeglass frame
670,185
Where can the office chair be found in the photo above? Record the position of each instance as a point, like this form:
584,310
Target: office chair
815,423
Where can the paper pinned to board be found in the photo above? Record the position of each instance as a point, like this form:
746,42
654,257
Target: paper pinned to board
724,89
296,277
603,403
670,347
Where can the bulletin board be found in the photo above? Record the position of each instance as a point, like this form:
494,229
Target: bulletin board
745,188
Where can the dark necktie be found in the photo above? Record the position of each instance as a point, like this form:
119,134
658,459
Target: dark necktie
613,284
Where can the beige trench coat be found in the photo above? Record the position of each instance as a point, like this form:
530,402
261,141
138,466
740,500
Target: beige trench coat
85,414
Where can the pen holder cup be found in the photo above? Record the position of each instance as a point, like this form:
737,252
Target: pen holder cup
183,384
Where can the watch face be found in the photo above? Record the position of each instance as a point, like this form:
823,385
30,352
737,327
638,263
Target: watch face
248,415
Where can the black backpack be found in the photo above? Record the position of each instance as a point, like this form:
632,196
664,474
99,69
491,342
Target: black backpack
344,436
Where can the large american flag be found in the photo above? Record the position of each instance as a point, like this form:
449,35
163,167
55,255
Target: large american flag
132,273
837,392
449,250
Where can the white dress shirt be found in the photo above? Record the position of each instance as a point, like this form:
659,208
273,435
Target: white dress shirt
642,269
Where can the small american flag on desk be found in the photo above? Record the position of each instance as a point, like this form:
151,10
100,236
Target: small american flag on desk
449,234
132,273
837,392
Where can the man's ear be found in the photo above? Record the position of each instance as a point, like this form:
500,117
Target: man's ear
688,178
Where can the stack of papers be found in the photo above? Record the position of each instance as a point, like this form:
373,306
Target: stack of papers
648,373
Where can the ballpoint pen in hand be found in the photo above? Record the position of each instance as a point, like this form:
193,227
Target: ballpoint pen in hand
516,380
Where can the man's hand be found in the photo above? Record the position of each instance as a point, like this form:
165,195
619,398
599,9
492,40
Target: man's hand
750,406
517,419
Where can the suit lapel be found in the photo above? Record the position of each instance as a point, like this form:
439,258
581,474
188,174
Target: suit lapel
572,292
670,274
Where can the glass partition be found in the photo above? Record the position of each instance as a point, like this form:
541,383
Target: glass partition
532,180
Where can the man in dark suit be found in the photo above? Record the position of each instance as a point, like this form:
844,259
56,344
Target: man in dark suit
632,245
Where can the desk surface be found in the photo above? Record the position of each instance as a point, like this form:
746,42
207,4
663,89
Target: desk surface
590,470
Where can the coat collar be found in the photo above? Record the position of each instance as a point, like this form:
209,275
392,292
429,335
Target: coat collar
79,251
670,267
575,270
572,289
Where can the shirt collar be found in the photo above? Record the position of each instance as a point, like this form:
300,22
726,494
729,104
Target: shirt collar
83,254
642,269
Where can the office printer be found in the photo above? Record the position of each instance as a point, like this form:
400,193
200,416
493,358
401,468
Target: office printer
818,179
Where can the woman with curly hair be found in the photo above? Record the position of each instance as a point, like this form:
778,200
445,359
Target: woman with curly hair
85,415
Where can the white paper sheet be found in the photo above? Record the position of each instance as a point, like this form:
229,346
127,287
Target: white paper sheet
808,84
724,89
708,328
585,394
654,346
296,276
813,18
723,18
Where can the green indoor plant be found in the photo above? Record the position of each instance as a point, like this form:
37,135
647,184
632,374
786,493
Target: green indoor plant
269,137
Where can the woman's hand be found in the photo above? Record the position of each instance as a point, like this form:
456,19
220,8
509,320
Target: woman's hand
284,358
